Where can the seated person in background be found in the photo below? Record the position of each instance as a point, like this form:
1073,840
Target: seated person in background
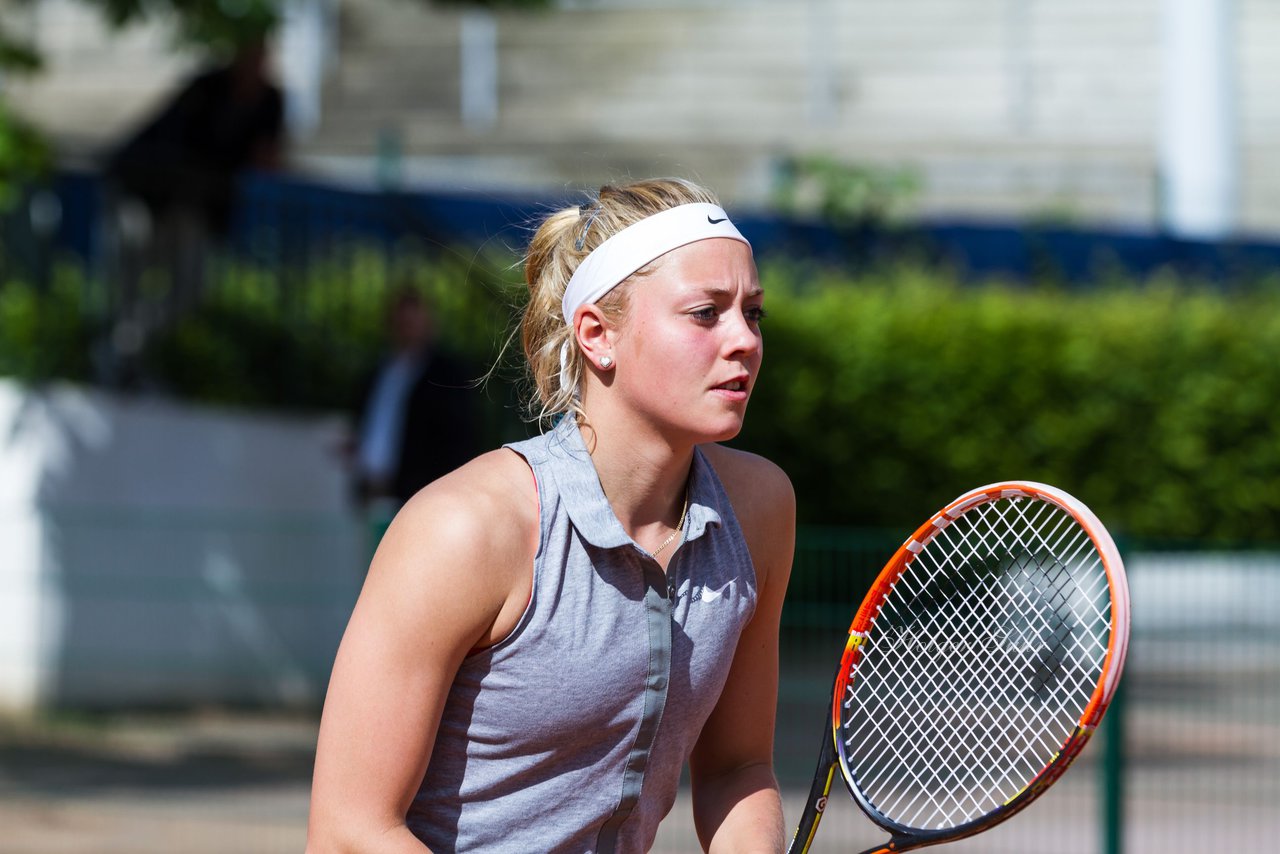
227,120
173,188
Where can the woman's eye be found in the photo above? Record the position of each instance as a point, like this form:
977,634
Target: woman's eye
704,314
756,314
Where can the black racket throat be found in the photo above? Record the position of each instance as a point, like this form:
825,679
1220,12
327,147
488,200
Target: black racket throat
820,789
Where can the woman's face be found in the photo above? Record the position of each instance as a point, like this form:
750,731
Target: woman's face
689,350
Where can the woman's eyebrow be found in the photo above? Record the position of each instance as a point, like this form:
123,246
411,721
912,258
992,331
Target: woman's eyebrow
717,291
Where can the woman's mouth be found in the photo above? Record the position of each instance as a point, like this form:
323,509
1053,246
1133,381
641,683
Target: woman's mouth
736,388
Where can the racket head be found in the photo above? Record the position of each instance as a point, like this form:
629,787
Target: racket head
980,662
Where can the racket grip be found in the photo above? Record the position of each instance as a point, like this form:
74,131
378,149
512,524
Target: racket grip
816,801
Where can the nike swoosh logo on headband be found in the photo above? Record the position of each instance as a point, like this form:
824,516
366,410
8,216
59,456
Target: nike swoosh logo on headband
716,221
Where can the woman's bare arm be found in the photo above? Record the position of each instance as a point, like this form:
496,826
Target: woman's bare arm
737,806
452,574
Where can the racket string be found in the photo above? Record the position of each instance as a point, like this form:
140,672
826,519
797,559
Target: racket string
910,758
954,734
960,719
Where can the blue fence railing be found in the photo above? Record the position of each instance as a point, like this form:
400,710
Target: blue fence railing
282,217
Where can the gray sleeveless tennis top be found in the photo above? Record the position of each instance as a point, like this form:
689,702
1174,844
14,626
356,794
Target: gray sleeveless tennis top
569,735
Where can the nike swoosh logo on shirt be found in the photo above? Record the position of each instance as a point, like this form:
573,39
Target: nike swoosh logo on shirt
709,595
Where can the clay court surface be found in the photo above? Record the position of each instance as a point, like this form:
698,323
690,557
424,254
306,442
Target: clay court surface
194,783
219,782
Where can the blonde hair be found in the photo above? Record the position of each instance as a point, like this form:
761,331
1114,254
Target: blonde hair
560,244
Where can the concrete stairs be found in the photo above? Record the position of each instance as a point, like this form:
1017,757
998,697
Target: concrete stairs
1003,107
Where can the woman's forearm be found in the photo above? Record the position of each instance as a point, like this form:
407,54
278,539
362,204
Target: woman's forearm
740,812
393,840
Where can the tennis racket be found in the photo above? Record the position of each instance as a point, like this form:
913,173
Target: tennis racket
977,667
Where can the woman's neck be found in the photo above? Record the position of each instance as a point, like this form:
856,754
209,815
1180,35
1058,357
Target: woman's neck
644,477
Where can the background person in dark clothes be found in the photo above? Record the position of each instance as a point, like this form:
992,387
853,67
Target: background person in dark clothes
416,418
173,185
227,120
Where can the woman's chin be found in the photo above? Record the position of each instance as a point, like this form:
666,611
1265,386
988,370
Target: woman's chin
724,430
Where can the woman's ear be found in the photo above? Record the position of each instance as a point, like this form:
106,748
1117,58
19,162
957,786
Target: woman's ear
595,335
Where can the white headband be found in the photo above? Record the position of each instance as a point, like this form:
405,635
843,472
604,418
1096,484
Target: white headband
613,261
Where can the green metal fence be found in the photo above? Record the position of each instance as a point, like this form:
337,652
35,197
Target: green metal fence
1202,718
1188,759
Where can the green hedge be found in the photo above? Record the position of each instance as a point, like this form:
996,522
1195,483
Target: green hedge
44,334
1152,403
883,398
285,340
298,339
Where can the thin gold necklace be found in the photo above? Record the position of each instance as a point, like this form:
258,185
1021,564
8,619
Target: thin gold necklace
679,527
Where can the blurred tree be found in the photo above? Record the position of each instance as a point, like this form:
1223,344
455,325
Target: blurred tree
840,194
23,154
215,27
219,26
15,54
493,4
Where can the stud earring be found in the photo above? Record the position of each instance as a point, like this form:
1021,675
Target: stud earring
606,362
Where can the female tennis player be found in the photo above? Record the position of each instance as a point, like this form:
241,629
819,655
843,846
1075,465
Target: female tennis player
548,634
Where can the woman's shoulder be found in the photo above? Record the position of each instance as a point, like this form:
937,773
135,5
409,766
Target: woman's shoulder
765,505
749,478
493,497
473,532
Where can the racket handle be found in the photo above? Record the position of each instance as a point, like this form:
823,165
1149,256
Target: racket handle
816,802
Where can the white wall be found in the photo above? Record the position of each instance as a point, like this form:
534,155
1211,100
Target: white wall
157,554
